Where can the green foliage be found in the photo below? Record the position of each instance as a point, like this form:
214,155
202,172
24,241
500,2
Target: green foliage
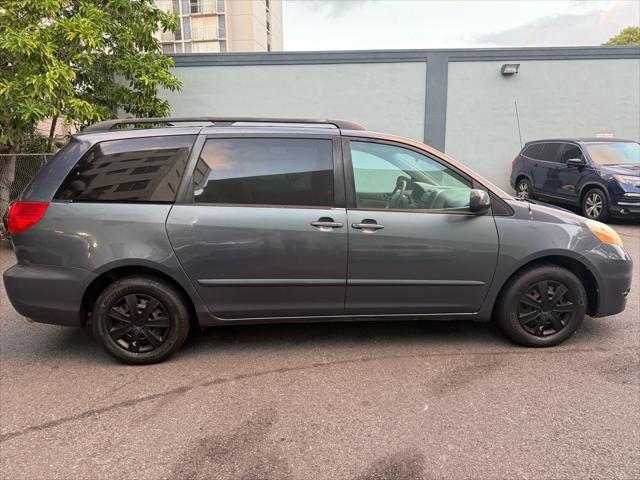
628,36
82,60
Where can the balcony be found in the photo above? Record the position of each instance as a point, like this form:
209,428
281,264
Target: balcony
203,8
165,5
204,33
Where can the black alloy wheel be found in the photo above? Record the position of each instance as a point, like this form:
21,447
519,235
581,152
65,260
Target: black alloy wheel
141,319
545,308
138,323
541,306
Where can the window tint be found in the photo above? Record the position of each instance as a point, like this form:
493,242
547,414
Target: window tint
265,171
389,176
549,152
532,151
131,170
570,151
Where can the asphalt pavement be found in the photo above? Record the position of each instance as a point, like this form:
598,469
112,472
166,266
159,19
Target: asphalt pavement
394,400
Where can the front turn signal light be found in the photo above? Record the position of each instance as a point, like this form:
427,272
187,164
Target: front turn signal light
604,232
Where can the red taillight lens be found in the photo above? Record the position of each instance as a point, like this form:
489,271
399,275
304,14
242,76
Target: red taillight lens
513,163
23,215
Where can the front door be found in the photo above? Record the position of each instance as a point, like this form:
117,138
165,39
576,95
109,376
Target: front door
569,175
262,236
414,247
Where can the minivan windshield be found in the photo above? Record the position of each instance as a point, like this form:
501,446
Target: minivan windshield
614,153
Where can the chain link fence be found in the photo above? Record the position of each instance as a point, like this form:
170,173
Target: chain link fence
16,171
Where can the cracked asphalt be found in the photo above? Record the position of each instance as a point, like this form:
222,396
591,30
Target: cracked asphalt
360,401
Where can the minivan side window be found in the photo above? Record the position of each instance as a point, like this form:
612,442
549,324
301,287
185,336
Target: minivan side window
390,176
549,152
265,171
131,170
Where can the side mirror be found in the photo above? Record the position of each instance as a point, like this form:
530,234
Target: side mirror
479,201
575,162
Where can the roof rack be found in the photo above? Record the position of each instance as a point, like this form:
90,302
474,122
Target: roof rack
108,125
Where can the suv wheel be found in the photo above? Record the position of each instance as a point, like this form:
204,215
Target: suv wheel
140,320
524,188
542,307
595,205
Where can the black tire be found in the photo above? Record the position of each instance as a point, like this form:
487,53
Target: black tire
145,337
516,314
595,205
524,188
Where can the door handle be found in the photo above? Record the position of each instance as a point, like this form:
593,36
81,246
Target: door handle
368,225
326,224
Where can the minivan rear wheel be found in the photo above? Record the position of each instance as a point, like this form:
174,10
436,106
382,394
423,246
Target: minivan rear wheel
542,306
140,320
595,205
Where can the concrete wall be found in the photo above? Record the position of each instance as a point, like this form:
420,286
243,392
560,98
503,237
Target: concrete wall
577,98
454,100
384,97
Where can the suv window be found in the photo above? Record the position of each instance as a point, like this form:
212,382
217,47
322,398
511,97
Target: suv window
570,151
132,170
532,151
382,171
265,171
549,152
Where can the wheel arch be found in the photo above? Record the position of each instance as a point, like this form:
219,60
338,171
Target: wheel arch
108,275
572,264
590,185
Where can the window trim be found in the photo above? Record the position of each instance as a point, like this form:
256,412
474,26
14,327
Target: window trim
185,191
350,179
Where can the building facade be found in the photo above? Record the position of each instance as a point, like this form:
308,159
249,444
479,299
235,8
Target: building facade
213,26
463,102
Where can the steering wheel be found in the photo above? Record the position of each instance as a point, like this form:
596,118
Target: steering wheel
395,198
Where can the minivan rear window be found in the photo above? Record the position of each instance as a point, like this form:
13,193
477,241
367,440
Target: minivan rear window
265,171
130,170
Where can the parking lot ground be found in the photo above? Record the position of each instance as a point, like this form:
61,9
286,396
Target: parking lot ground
364,401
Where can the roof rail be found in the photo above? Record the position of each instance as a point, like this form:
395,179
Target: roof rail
108,125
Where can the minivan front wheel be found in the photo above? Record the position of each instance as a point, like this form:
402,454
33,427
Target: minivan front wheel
542,307
140,320
595,205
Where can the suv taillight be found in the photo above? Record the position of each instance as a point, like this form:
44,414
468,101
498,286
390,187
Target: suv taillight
513,163
24,215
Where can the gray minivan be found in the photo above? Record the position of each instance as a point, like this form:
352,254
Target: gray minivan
146,232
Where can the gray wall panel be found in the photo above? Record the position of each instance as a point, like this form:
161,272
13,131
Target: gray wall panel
387,97
555,99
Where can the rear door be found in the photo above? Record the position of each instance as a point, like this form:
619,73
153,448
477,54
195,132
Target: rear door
546,169
262,232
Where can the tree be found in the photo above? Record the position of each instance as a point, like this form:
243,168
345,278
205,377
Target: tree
81,60
628,36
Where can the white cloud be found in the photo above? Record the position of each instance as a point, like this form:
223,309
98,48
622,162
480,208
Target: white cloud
590,27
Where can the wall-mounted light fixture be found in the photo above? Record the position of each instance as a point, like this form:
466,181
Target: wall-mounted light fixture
510,68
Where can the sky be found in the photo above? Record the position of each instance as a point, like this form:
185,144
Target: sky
406,24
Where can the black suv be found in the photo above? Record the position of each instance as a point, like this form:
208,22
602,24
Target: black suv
601,176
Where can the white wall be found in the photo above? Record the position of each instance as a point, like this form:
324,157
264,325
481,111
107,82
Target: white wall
556,98
386,97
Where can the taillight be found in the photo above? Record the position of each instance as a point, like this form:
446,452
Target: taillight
513,163
23,215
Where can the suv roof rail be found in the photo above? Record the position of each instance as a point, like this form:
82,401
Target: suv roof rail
108,125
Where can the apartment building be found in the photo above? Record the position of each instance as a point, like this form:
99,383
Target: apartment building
210,26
